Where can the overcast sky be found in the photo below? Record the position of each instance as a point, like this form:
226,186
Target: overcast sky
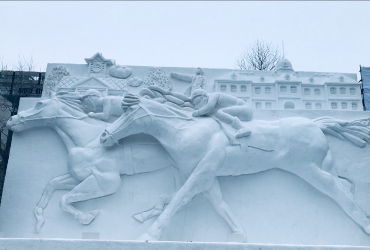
318,36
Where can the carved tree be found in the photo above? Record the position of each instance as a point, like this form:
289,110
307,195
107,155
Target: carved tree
157,77
259,56
51,82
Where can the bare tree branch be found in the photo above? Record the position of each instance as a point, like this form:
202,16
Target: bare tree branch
259,56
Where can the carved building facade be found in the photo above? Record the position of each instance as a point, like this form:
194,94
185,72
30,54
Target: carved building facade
285,88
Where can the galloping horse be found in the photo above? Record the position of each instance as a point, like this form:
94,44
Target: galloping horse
202,152
94,171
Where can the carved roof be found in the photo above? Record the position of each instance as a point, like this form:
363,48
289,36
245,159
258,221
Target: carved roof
98,56
284,64
110,83
341,79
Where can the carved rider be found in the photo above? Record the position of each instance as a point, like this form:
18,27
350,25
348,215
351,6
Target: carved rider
100,107
197,81
226,108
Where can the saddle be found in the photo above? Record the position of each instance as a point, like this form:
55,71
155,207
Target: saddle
252,141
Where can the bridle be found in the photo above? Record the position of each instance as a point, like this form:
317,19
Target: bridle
23,119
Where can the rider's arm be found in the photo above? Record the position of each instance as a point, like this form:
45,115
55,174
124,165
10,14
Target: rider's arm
210,106
106,111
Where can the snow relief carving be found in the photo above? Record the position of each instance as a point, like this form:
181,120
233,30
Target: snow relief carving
198,135
157,77
120,71
134,82
197,81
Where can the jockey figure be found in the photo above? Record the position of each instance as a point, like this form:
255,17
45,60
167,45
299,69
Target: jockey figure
224,107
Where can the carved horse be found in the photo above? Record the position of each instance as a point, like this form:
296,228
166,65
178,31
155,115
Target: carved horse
202,152
94,171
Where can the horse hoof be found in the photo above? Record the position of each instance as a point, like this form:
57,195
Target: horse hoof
39,225
146,237
138,217
86,219
39,219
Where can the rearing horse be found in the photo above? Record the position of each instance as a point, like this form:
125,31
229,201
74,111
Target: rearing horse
203,152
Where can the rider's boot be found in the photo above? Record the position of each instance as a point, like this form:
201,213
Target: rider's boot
244,132
241,130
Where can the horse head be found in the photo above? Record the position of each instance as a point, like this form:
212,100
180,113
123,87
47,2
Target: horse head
135,120
139,119
46,111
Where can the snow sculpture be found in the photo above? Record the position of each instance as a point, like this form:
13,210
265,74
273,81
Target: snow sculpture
197,81
197,146
202,151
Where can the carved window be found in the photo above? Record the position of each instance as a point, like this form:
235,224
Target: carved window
342,90
317,92
289,105
308,105
283,89
267,90
268,105
287,77
262,78
258,105
257,90
341,79
311,80
233,88
307,91
352,91
354,106
333,90
223,88
293,89
243,88
318,105
344,105
334,105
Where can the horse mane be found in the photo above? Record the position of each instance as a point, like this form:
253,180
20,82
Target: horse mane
72,100
162,109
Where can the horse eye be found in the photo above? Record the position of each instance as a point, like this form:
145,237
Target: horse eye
38,105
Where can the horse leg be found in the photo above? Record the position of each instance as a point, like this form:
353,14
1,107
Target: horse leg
163,200
200,180
334,188
156,210
96,185
214,195
61,182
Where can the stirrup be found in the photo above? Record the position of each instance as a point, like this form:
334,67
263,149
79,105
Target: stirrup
244,132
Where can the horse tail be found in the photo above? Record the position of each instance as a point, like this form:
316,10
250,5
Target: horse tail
356,132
